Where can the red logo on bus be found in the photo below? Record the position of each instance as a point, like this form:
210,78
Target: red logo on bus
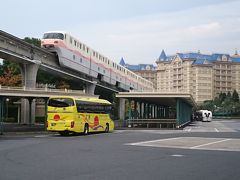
56,117
96,121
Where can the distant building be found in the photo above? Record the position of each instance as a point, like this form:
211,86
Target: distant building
147,71
202,75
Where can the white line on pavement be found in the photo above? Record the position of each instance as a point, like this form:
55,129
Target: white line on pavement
215,142
146,142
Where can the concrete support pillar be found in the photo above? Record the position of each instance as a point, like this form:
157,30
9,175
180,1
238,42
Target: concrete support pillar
156,111
135,109
166,113
140,110
121,109
130,110
148,110
29,75
30,117
151,111
90,88
145,111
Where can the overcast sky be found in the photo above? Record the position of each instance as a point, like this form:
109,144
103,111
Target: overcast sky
136,30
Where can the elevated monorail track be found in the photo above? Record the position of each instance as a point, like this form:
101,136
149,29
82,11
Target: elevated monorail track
17,50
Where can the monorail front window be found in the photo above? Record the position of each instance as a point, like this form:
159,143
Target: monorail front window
53,36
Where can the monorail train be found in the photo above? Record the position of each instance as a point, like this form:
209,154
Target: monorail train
78,56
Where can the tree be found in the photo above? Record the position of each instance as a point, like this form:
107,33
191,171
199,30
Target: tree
10,74
63,85
227,104
9,65
222,96
209,105
34,41
217,101
9,77
235,96
224,104
229,95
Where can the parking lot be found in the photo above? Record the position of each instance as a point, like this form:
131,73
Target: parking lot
198,143
199,151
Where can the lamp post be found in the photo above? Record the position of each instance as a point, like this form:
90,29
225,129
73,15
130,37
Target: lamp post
7,101
1,115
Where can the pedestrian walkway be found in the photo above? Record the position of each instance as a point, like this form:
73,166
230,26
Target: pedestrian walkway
15,127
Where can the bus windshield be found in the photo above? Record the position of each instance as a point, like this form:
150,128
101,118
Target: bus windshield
60,102
53,36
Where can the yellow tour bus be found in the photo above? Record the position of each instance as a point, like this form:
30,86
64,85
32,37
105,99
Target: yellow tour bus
69,115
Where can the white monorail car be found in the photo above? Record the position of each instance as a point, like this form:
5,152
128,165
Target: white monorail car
78,56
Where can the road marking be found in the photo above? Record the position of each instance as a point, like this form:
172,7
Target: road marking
41,136
215,142
118,131
216,130
154,141
177,155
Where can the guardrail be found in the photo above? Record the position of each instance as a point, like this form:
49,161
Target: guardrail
152,123
23,88
6,91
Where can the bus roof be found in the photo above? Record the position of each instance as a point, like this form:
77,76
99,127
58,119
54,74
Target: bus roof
96,100
85,99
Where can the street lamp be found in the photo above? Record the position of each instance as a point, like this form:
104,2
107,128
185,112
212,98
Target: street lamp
7,100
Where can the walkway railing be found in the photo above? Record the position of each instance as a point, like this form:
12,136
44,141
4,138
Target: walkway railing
23,88
152,123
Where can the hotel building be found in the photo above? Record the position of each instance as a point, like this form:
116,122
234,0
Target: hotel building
202,75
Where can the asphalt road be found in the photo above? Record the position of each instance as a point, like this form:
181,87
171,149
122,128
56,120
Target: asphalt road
200,151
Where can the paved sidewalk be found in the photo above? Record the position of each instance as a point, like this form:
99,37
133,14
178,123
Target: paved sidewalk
15,127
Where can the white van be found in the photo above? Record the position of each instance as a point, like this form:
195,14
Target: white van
204,115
